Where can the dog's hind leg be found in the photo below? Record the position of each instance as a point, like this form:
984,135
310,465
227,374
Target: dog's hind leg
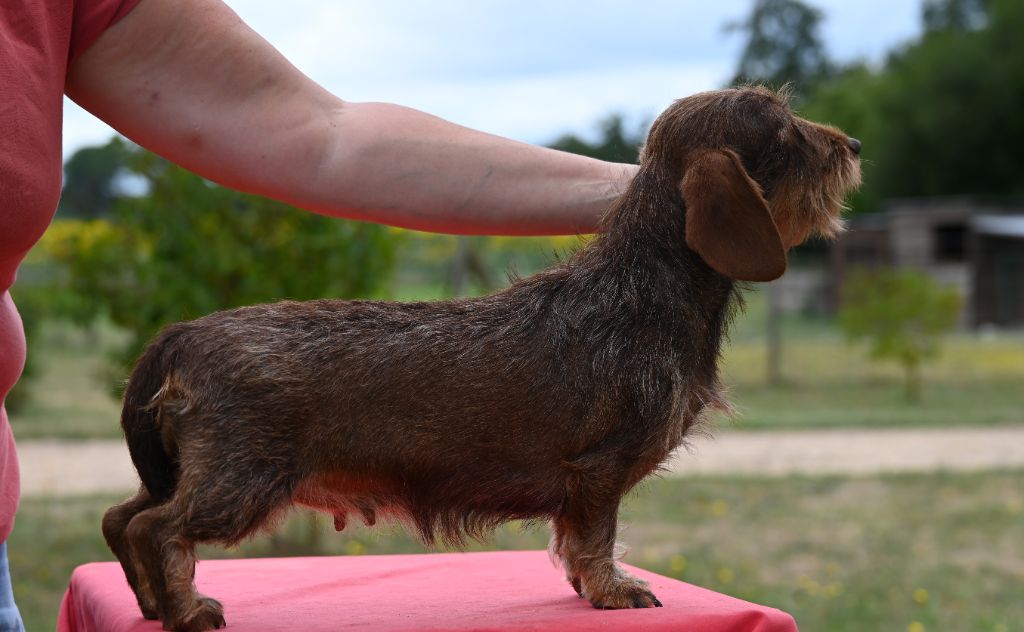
584,539
163,540
168,562
115,525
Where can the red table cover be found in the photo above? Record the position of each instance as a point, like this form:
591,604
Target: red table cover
451,591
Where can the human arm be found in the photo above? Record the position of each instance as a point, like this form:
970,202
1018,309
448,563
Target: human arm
190,81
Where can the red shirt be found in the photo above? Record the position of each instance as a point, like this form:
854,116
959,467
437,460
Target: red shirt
38,39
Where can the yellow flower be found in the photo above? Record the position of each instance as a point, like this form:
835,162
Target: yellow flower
921,596
725,575
809,585
354,547
915,626
677,564
719,508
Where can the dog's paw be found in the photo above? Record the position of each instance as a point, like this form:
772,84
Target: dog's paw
207,614
577,585
629,593
147,602
147,605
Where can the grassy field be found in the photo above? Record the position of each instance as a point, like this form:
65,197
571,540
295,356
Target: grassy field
72,394
894,553
975,382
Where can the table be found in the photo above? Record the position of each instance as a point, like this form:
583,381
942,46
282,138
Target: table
517,590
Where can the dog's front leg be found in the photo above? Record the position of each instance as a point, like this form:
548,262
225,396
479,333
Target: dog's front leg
584,540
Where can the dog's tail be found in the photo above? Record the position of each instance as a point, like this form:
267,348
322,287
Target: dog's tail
156,463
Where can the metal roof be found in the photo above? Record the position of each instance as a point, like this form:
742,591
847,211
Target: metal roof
1003,225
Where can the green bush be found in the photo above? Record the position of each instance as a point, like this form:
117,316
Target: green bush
190,247
902,314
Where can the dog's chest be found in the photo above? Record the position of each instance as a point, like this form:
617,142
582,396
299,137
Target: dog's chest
691,405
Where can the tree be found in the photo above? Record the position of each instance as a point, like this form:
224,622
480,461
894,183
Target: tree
941,117
90,180
615,143
191,247
467,262
902,314
953,104
783,46
954,15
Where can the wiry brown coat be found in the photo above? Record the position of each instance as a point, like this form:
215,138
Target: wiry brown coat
549,399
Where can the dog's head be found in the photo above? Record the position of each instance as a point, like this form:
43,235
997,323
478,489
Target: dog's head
755,179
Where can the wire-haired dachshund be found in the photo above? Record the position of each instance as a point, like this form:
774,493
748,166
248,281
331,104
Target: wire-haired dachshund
549,399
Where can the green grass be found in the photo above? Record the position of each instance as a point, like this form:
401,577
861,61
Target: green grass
976,381
71,395
841,554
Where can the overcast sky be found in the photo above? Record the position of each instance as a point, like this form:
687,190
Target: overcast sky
529,69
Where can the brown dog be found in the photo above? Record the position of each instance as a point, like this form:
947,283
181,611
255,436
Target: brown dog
549,399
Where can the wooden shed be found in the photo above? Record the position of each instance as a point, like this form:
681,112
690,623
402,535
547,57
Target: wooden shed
976,248
997,245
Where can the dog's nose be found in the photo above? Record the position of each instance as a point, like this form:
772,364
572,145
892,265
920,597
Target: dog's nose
854,145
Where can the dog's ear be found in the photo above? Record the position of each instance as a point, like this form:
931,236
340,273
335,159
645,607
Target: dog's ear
727,219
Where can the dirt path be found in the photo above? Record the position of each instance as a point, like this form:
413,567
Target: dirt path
68,468
855,451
